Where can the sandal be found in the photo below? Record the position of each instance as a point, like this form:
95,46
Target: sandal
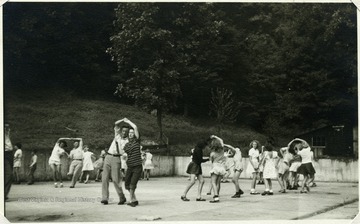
184,198
200,199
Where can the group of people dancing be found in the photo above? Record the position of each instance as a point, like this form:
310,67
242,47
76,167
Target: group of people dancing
265,163
123,160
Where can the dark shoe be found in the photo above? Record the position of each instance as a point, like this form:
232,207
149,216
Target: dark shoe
313,185
265,193
241,192
200,199
184,198
303,192
30,183
215,200
271,193
236,195
71,186
121,202
133,204
105,202
254,193
208,193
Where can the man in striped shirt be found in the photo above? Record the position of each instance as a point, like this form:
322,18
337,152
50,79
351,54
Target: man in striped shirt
134,163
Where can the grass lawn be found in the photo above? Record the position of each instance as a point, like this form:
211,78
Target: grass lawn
39,118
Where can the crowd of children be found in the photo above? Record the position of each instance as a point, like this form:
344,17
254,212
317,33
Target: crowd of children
265,163
82,163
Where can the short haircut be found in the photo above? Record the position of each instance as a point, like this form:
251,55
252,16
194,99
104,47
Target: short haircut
18,145
34,151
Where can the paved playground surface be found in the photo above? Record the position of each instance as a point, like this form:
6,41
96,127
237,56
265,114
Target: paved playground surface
159,199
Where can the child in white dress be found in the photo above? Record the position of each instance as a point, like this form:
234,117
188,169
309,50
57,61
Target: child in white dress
253,166
148,165
87,164
269,161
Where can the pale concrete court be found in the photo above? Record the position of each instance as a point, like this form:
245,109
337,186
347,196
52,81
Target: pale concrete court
160,198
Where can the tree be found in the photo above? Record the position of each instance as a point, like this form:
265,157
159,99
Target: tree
223,106
166,53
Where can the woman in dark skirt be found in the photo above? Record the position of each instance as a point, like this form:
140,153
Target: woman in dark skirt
194,169
306,168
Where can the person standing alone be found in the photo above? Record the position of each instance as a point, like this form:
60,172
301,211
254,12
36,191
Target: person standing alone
8,162
32,166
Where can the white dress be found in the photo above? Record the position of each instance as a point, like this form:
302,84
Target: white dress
87,162
219,161
269,167
148,165
254,155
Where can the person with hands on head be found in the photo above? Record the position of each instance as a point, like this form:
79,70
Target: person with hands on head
238,168
55,160
306,168
133,162
112,163
218,170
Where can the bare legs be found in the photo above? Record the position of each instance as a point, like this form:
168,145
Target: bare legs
253,183
56,173
191,183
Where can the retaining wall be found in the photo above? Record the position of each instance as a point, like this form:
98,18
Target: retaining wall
326,169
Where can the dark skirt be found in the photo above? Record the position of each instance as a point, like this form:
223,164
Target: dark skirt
306,169
194,168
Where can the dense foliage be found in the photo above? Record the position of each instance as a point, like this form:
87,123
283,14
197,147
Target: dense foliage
289,66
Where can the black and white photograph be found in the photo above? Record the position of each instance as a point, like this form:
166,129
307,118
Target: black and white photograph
229,112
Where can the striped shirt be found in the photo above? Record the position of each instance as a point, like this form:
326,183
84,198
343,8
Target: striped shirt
132,149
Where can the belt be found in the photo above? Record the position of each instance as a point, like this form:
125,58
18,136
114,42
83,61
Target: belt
112,154
78,159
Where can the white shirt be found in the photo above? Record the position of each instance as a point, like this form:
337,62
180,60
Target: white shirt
121,142
18,155
237,156
254,153
8,145
56,153
305,154
77,153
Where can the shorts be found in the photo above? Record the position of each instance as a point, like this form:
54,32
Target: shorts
132,176
251,168
218,169
17,163
283,168
238,166
194,168
55,162
294,167
306,169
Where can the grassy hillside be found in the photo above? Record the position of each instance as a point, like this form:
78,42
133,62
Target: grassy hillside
38,119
